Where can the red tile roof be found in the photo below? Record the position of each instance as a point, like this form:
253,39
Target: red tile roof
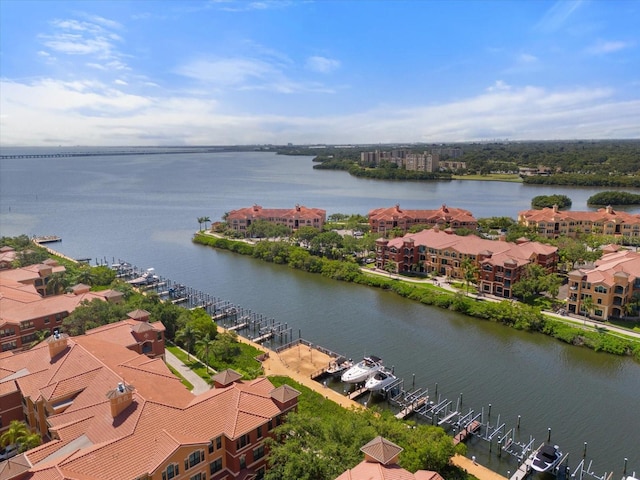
162,416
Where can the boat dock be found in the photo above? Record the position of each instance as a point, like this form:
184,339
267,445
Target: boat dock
47,239
418,401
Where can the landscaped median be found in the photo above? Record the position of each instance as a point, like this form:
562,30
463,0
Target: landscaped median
507,312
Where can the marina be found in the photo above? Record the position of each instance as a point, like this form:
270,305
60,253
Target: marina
367,376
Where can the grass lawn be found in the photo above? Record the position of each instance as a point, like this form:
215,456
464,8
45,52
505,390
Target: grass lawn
192,362
492,177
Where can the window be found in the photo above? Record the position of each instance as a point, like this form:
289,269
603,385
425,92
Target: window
215,466
242,442
197,476
259,432
219,442
258,452
195,458
171,471
211,446
46,320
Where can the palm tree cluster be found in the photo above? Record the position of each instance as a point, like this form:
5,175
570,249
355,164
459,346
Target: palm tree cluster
19,434
204,220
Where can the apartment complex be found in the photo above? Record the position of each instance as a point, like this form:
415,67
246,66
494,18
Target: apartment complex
609,289
553,223
294,218
24,311
500,263
432,160
382,220
381,463
420,162
110,413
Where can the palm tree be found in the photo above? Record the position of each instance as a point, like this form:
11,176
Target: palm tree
56,284
187,336
16,431
29,441
203,345
587,305
200,221
206,220
469,271
85,275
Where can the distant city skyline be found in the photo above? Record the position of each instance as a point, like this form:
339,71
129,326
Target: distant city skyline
231,72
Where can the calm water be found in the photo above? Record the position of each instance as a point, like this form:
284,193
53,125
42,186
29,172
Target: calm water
144,208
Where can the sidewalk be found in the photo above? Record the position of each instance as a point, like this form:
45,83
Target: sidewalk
199,385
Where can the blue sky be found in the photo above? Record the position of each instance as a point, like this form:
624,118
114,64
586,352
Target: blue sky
222,72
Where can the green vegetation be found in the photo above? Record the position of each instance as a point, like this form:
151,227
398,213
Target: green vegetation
614,198
548,201
19,434
585,180
588,163
322,440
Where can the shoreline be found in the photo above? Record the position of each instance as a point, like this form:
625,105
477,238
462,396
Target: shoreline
274,365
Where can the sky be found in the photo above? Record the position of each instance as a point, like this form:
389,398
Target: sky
236,72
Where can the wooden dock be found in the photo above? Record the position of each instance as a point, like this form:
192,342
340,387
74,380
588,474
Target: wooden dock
463,434
357,393
524,469
239,326
264,337
409,409
47,239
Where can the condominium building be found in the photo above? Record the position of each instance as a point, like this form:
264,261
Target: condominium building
553,223
24,311
607,290
500,263
382,220
109,413
293,218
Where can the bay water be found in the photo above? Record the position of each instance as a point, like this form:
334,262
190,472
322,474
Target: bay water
144,208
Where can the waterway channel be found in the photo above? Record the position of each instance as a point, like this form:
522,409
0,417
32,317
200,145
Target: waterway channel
143,208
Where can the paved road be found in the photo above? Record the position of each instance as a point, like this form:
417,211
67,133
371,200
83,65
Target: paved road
199,385
577,320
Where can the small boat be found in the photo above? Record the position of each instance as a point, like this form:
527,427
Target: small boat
380,379
547,458
362,370
339,365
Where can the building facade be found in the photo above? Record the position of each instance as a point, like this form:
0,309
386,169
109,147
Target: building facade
382,220
553,223
608,290
25,311
500,264
294,218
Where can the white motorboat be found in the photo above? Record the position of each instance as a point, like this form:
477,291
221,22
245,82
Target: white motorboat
380,380
362,370
547,458
339,365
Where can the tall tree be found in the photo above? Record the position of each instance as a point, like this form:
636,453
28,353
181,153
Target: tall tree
187,336
469,272
204,346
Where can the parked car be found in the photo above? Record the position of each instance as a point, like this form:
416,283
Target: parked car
8,451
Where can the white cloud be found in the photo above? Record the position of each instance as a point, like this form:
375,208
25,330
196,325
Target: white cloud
558,15
603,47
322,64
247,74
53,112
527,58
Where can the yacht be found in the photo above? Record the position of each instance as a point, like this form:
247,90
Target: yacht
380,380
339,365
362,370
547,458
